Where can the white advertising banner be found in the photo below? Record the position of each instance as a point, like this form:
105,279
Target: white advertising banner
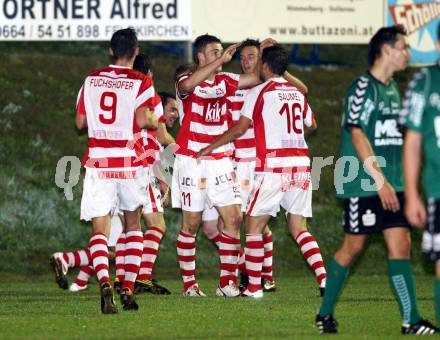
290,21
94,19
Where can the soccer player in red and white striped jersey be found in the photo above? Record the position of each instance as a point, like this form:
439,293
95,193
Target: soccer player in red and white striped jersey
153,211
211,181
166,111
245,156
279,112
115,102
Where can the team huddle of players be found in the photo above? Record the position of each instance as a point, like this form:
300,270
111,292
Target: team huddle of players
241,148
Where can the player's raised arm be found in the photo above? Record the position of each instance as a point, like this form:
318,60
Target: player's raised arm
163,136
146,119
234,132
205,71
296,82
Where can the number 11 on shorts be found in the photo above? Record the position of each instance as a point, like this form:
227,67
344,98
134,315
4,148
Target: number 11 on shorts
186,199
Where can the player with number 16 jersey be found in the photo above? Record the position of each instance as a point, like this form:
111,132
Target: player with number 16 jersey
279,113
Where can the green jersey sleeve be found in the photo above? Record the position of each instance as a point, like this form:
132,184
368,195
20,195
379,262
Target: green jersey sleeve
359,103
414,103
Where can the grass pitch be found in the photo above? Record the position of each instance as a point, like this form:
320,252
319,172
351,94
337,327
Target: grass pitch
38,309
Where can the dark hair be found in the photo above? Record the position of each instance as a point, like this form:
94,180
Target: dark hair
124,43
164,96
249,42
142,63
201,42
181,69
385,35
276,58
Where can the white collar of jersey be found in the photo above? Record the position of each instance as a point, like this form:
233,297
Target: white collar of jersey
116,66
277,79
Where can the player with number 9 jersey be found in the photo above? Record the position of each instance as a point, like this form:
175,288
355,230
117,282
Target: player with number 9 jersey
109,98
115,102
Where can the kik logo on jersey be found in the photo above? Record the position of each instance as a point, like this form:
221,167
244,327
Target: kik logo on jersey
387,133
214,111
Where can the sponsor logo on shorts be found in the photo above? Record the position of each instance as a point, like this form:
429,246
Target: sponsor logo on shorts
225,178
188,182
299,180
116,174
368,219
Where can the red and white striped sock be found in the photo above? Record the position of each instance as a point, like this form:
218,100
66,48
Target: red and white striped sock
312,254
99,253
266,272
152,238
78,258
215,239
119,257
82,279
132,258
241,262
186,252
254,256
228,251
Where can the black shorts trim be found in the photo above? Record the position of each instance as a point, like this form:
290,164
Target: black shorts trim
431,236
365,215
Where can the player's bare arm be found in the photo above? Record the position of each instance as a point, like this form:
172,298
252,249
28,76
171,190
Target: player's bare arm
364,150
267,43
249,79
308,130
80,121
296,82
163,136
146,119
415,210
204,72
234,132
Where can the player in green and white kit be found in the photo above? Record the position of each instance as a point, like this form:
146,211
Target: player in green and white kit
421,112
370,182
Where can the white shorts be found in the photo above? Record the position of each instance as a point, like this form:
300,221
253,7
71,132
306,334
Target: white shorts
154,203
115,230
245,178
293,192
101,194
210,214
197,183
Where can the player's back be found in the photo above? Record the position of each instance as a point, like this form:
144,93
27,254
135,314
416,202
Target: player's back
280,113
109,97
